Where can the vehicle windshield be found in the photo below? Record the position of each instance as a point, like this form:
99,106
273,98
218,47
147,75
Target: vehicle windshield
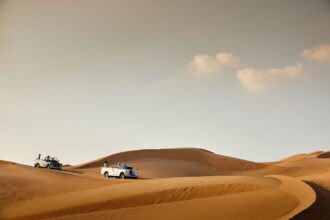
51,159
123,165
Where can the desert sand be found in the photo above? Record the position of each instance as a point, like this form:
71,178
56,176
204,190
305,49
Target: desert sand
183,183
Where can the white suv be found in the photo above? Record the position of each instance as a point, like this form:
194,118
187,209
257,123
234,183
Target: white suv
121,170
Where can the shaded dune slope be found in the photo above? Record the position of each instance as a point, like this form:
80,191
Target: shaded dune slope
320,208
324,155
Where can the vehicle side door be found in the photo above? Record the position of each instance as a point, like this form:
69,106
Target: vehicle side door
117,171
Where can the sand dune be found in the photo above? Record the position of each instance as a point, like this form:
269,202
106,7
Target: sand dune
20,182
320,208
165,163
306,164
180,184
324,155
175,198
181,154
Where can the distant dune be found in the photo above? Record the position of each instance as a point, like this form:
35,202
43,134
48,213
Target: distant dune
162,163
181,183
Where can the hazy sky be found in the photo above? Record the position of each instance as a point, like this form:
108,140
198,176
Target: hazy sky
85,79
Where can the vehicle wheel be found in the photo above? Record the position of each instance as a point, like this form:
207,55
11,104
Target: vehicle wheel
122,176
37,165
106,175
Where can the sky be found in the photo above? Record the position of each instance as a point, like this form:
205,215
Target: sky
85,79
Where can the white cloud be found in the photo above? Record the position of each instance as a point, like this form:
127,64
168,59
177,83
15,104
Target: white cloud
206,64
257,80
320,53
